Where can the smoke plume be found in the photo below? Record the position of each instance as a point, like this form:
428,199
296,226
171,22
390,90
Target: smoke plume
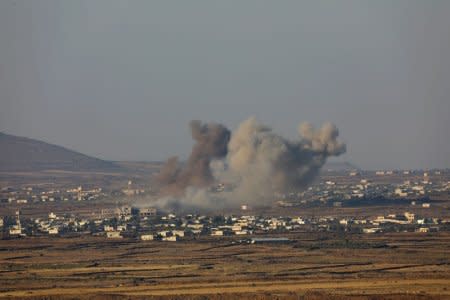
256,161
211,142
266,162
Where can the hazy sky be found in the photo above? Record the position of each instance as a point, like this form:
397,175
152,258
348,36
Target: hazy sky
120,80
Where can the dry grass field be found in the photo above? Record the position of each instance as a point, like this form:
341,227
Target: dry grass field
314,266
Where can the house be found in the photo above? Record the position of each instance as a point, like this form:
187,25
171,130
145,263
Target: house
164,233
15,230
361,221
371,230
108,228
343,222
125,211
400,192
121,227
236,228
410,217
53,230
241,232
195,226
179,233
113,235
108,213
147,237
216,232
172,238
299,221
147,212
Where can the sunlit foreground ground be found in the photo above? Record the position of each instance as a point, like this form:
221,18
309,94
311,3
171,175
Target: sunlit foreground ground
401,265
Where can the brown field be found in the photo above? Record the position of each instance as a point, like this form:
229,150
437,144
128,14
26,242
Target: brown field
314,266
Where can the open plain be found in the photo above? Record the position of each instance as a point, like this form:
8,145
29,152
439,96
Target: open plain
312,266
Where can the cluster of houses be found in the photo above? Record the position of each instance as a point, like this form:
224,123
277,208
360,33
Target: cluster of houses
357,187
419,224
333,190
36,194
145,224
52,193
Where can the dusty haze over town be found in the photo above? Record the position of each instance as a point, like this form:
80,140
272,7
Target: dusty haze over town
225,149
120,80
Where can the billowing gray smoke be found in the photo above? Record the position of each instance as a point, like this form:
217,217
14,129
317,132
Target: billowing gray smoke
258,163
266,162
211,142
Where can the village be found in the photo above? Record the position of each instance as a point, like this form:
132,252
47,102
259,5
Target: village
147,224
335,189
415,195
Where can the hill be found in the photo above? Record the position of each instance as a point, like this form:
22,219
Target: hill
25,154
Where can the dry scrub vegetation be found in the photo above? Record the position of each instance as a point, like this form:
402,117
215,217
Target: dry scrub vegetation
395,266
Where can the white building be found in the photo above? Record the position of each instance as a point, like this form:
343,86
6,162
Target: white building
343,222
217,233
108,228
113,235
147,237
164,233
242,232
147,211
53,230
401,193
410,217
121,227
179,233
236,228
371,230
15,230
195,226
299,221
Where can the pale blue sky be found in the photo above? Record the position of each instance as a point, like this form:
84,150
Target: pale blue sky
120,80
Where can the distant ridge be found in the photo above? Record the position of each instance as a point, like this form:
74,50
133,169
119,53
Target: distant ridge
25,154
